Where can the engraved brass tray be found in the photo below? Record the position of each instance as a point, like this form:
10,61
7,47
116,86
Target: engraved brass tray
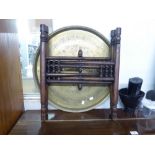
67,42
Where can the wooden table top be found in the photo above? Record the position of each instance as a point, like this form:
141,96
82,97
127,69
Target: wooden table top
94,122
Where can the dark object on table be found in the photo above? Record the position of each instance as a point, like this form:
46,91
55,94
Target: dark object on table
151,95
130,102
134,86
132,96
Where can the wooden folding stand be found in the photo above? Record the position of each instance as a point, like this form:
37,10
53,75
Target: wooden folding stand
51,70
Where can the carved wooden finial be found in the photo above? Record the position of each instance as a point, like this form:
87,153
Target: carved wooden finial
112,37
80,53
43,28
44,33
117,35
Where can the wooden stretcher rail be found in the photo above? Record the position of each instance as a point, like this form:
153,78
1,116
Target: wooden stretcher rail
86,82
78,58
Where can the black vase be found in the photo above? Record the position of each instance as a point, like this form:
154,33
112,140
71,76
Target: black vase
130,102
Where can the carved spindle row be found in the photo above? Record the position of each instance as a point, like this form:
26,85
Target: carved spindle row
105,71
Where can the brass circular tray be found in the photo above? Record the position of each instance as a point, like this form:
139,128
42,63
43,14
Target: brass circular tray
67,42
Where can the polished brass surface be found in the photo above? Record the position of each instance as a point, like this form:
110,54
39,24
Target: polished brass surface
67,42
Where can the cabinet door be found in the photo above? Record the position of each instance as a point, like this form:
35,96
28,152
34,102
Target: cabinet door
11,94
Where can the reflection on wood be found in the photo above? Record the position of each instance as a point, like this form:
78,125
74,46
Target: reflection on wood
94,122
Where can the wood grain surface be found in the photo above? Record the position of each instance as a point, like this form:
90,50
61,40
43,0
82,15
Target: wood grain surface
11,94
94,122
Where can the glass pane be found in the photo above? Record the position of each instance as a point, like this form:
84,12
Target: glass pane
29,38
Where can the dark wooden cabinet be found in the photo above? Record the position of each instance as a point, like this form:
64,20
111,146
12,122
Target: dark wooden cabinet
11,94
